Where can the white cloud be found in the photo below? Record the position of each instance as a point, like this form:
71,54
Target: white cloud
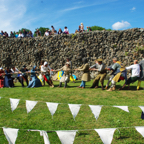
133,9
121,25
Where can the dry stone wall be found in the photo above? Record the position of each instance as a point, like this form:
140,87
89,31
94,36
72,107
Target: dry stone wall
127,45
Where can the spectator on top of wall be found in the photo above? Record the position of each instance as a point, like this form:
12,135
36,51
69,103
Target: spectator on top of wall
2,33
55,32
16,35
38,33
12,35
82,27
60,31
20,35
46,33
30,34
66,31
79,29
5,34
24,33
76,31
53,29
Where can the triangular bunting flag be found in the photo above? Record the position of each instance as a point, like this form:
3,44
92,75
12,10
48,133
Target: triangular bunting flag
30,105
106,135
45,137
142,108
125,108
74,108
0,97
11,134
14,103
140,129
96,109
66,137
52,107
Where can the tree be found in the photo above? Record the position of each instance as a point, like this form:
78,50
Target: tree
99,28
27,30
42,29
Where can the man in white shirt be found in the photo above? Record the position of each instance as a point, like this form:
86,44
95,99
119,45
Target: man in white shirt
16,74
135,74
20,35
45,69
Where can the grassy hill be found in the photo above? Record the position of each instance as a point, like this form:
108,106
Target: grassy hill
41,119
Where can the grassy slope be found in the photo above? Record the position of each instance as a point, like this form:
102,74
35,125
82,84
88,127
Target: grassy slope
40,117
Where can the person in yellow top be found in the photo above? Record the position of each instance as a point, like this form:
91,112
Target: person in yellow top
114,68
86,73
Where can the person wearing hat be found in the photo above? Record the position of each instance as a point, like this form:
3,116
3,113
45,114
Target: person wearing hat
135,74
24,76
141,73
66,76
1,78
86,73
114,68
46,70
100,67
121,75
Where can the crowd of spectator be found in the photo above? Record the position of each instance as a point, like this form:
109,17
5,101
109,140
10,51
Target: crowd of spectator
24,33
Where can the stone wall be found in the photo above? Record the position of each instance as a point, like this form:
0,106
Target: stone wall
127,45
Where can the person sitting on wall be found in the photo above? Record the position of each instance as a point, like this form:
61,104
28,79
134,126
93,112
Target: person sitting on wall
100,67
12,35
60,31
20,35
24,33
135,74
38,33
2,33
66,31
46,33
53,29
16,35
82,27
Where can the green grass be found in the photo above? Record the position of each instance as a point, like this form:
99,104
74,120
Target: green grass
41,119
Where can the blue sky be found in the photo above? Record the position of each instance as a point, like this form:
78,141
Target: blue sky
31,14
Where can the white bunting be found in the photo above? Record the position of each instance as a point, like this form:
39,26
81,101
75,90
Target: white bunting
52,107
106,135
74,108
142,108
11,134
45,137
30,105
96,109
66,137
14,103
125,108
0,97
140,129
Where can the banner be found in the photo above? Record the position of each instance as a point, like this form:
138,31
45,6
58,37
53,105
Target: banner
52,107
106,135
74,108
30,105
66,137
14,103
45,137
10,134
95,110
125,108
140,129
